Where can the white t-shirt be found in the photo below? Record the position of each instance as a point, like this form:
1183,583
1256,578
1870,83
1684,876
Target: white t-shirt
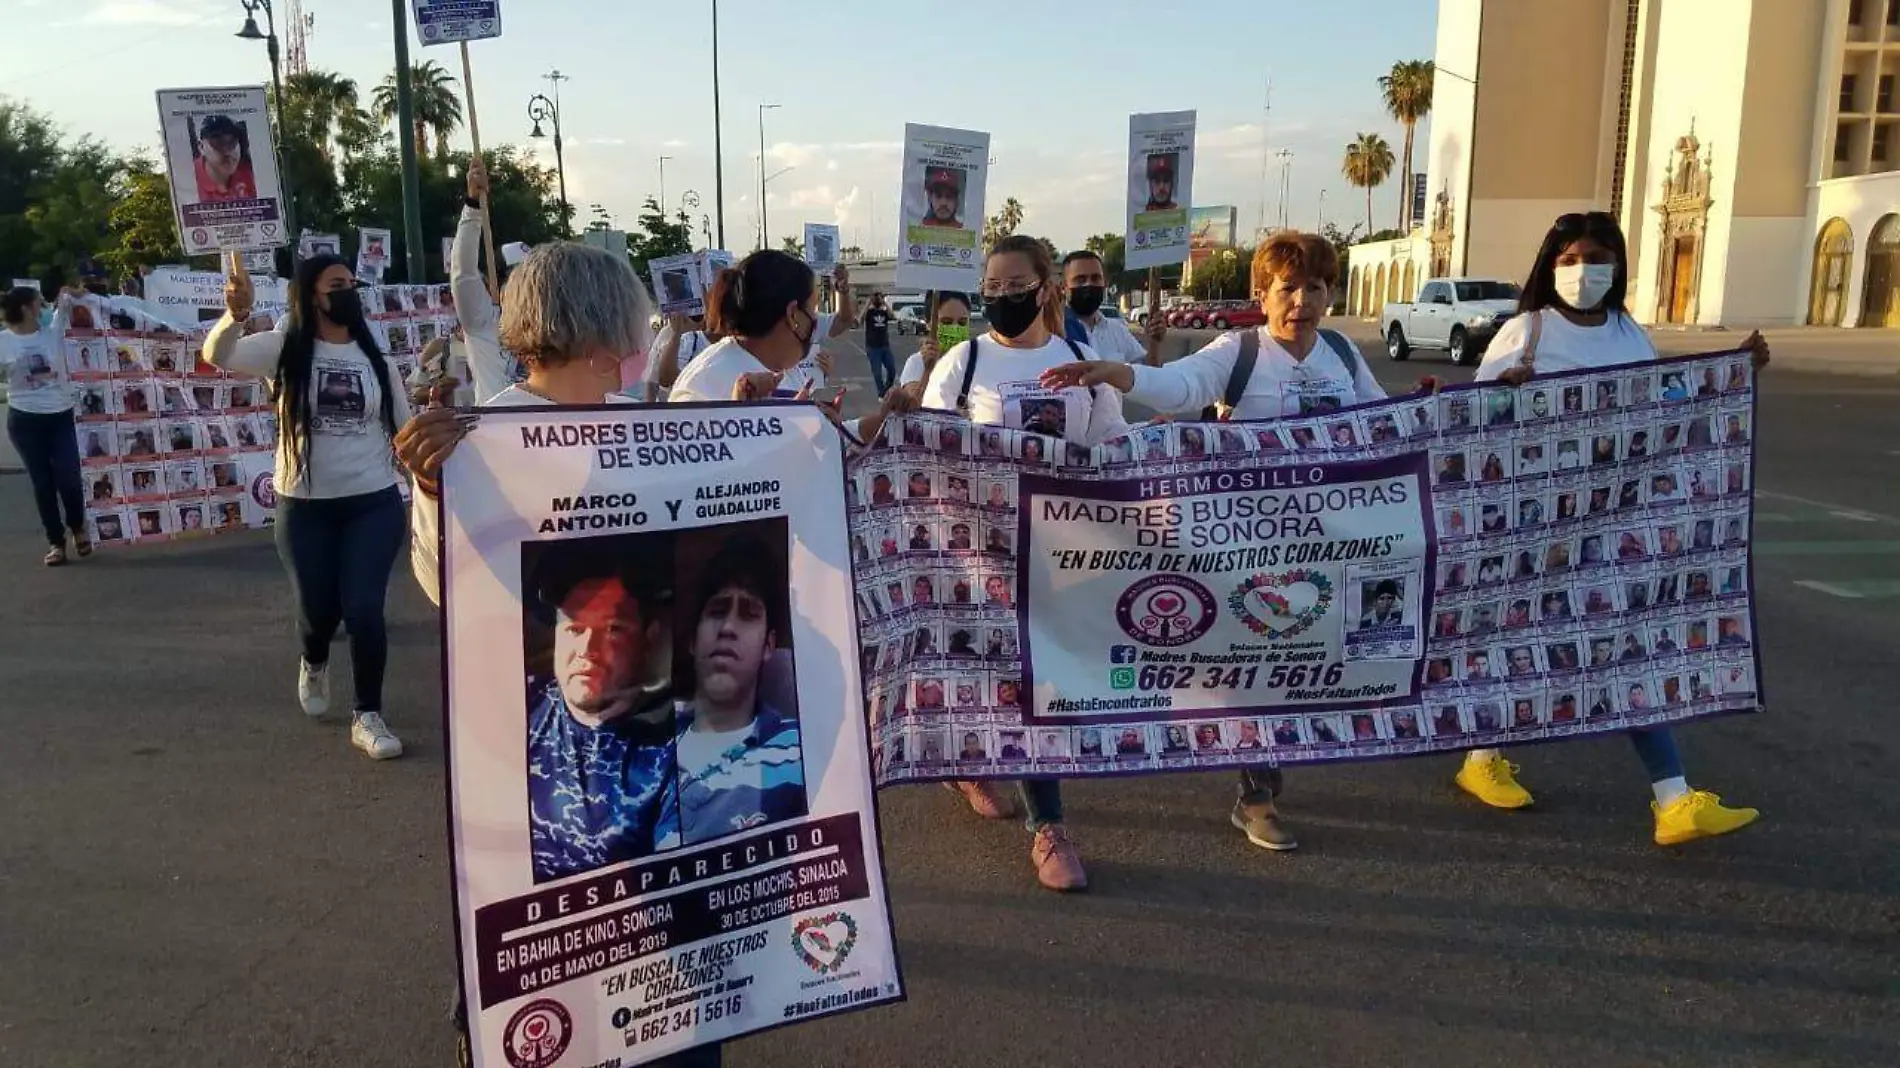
711,376
1112,340
1005,391
425,540
694,343
36,373
1564,346
350,452
913,370
1280,386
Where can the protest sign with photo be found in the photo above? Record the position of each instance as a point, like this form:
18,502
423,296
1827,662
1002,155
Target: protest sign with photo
372,255
1488,566
940,213
448,21
679,283
223,169
310,246
665,837
821,247
1160,187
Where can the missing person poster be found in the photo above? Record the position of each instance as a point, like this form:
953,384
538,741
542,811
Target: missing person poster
821,247
223,169
310,246
1160,187
449,21
680,283
664,835
372,255
940,216
1485,567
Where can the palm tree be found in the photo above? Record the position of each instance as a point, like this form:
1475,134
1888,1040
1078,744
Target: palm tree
323,107
1368,164
436,105
1408,97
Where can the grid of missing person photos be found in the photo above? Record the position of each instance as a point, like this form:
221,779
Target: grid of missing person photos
1592,572
171,446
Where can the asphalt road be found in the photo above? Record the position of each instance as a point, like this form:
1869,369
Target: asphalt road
191,873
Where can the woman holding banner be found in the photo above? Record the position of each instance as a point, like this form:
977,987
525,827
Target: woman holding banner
1287,367
993,380
1573,317
339,513
40,416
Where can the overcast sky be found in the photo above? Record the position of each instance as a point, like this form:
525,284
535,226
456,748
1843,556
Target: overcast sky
1052,83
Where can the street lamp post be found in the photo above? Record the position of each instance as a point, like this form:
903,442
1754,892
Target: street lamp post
765,229
541,109
663,160
250,32
719,155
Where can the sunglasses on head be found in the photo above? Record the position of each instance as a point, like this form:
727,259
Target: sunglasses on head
1577,220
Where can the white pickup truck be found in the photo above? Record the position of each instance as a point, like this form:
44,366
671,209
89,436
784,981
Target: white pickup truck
1458,315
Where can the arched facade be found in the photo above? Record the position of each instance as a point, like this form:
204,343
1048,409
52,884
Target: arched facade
1410,289
1378,292
1352,291
1880,286
1833,266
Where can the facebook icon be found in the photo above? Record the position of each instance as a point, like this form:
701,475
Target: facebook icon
1121,654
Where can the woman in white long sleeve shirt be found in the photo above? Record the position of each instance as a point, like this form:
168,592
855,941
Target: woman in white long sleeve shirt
1297,369
489,365
995,380
1572,317
339,514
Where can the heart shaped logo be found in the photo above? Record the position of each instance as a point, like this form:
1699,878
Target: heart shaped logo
538,1035
1282,605
1166,610
823,942
1167,603
536,1027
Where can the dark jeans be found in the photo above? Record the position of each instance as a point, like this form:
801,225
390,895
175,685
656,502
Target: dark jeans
883,367
1258,786
49,447
1656,748
1042,800
339,552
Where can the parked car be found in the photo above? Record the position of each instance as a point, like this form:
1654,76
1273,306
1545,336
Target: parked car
1458,315
1236,315
909,320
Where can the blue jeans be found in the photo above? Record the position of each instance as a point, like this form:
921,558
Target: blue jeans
339,552
883,367
1042,800
1656,748
49,447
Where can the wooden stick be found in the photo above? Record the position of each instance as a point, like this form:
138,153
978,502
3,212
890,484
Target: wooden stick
475,135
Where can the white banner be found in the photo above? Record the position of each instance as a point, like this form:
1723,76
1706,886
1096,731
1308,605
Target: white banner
821,247
372,255
666,836
182,295
940,209
223,169
1160,187
449,21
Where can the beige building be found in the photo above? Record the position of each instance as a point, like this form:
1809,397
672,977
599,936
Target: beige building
1750,148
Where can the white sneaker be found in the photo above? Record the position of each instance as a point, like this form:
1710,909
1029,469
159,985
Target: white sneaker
369,733
313,688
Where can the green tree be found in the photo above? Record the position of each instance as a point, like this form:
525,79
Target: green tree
793,245
658,236
323,108
144,228
1368,164
436,105
522,202
850,252
68,218
29,156
1408,98
1002,224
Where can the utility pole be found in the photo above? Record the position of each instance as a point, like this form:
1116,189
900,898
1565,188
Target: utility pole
406,139
719,155
1286,182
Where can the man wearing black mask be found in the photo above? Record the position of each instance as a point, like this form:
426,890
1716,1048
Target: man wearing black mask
1086,281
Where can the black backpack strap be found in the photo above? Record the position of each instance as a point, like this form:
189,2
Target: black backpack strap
969,376
1238,378
1348,355
1075,349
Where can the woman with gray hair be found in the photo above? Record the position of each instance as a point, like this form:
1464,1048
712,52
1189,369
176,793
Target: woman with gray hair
573,314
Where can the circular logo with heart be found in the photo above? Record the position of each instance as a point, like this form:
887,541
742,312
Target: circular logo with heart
1282,605
823,942
1166,610
537,1035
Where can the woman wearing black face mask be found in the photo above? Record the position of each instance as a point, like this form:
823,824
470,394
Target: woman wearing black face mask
340,521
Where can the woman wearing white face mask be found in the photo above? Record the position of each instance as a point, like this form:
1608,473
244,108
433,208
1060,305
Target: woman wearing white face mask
1572,317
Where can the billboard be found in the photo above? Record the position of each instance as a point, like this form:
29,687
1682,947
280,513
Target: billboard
1212,228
